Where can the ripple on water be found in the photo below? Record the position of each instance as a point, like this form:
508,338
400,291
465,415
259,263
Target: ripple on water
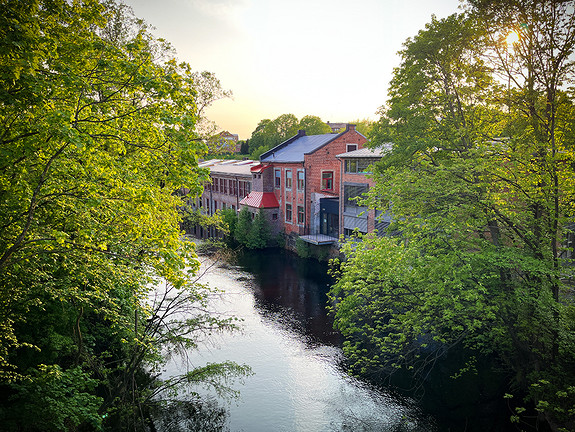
298,382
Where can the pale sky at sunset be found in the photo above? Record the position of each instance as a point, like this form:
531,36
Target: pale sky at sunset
330,58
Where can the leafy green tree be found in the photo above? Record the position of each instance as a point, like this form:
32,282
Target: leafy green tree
244,146
480,182
243,226
270,133
313,125
97,132
259,235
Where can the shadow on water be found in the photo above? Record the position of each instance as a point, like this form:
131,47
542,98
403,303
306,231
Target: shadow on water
197,415
292,291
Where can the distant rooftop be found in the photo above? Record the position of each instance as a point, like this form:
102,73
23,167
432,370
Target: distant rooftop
336,126
229,166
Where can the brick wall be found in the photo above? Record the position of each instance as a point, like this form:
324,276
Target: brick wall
323,161
289,195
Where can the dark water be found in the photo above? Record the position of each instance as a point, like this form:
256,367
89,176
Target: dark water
288,340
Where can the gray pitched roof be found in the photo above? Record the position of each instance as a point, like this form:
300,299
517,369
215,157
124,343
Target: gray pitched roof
294,149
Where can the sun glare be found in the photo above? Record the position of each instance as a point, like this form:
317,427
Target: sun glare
512,38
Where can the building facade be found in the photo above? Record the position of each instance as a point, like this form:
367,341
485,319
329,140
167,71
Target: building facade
305,187
356,181
306,183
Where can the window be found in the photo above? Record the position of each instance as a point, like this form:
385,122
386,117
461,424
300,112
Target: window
288,213
275,216
351,147
216,185
350,203
300,215
351,166
327,180
242,189
223,206
222,185
225,186
300,180
288,179
355,166
278,177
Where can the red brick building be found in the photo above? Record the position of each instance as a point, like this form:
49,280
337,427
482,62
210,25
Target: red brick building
307,183
305,187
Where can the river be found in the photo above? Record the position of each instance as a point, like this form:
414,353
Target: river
288,340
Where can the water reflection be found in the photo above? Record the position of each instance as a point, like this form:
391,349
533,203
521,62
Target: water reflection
288,341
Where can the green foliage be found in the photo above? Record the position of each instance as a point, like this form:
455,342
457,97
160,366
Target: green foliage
364,126
313,125
482,218
259,235
244,147
270,133
229,220
243,226
252,233
302,248
56,399
97,133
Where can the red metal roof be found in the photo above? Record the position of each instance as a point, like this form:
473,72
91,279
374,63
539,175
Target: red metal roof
259,168
260,200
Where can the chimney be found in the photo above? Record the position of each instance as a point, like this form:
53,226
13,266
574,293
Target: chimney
349,127
301,133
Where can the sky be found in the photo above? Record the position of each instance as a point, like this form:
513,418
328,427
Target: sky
329,58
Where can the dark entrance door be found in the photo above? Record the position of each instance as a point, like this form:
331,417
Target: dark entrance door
329,216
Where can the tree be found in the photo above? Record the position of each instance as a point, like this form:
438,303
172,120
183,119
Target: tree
259,235
243,226
313,125
482,218
270,133
98,131
244,146
208,90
